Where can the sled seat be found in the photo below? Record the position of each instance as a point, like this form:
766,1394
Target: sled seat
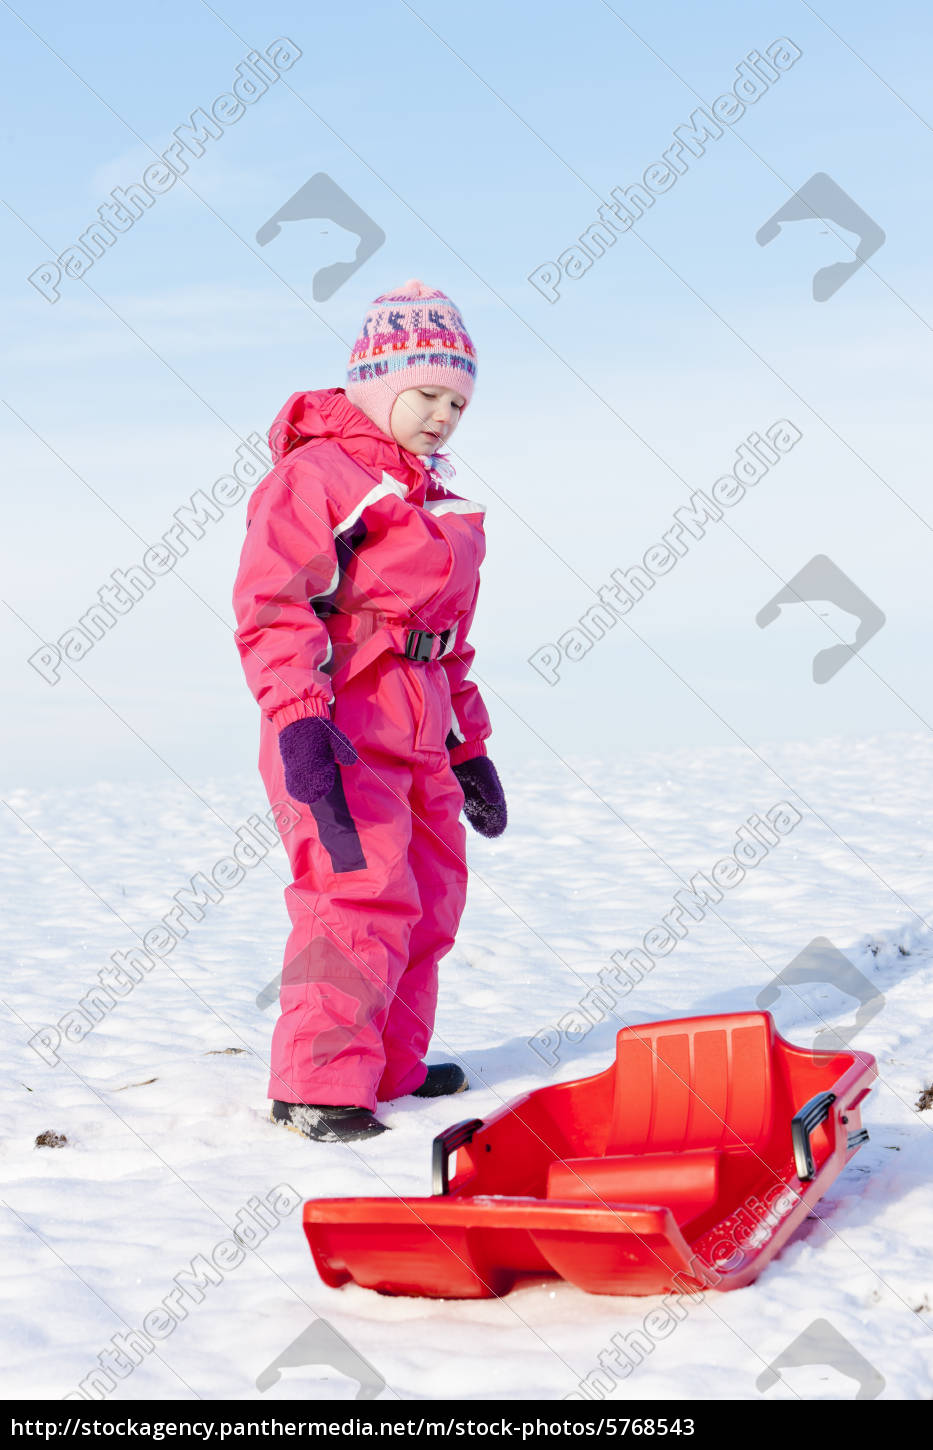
686,1183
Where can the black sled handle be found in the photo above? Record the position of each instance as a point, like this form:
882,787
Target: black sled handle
444,1144
801,1126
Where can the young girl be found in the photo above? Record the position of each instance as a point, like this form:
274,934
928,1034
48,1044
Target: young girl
354,598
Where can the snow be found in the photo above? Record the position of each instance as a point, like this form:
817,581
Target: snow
164,1110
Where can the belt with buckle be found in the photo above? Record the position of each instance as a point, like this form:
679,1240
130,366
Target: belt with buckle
420,644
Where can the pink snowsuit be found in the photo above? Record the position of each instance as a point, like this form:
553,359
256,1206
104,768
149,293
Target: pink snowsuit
352,543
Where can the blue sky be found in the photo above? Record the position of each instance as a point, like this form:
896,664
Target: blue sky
481,141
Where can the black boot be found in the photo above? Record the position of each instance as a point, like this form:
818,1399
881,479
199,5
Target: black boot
443,1078
326,1123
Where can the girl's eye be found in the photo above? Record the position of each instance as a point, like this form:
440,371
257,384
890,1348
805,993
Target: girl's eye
425,394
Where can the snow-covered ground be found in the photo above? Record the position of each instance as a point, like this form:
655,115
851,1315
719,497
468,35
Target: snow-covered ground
168,1145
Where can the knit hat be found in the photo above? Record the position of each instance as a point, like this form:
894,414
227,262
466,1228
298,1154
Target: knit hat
410,337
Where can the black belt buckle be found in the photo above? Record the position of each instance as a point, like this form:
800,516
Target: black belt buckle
420,642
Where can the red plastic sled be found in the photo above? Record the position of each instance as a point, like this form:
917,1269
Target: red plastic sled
684,1166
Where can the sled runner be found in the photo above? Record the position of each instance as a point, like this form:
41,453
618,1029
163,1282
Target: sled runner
686,1165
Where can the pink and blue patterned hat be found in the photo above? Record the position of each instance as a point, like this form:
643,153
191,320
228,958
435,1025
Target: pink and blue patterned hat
410,337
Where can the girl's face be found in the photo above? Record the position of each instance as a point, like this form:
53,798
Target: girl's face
424,418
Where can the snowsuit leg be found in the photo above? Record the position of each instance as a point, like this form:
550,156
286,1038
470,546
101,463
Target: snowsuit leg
379,888
437,857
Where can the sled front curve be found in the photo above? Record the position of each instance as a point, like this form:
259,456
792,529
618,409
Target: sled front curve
479,1247
684,1166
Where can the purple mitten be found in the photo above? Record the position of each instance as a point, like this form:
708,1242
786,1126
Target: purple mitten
484,804
311,749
